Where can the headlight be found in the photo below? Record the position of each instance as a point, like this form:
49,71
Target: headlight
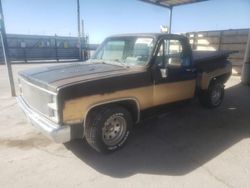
53,108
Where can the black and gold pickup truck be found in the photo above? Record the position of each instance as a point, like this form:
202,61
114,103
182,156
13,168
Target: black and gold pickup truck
129,76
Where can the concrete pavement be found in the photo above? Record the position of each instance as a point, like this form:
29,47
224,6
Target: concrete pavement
187,147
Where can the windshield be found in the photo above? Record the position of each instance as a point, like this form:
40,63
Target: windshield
130,51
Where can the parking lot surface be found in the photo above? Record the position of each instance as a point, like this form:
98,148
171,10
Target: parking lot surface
187,147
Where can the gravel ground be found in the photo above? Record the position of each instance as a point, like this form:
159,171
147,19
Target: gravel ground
187,147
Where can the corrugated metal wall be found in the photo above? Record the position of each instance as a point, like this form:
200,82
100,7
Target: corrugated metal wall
235,39
33,47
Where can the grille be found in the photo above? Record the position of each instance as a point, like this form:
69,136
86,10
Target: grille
37,98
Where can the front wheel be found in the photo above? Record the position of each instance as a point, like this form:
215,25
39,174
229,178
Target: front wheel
107,129
214,96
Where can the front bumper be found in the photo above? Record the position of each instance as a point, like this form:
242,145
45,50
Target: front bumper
59,134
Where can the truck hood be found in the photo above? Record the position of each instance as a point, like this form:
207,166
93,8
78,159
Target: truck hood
53,77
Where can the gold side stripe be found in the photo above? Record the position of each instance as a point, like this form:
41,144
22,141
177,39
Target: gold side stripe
147,97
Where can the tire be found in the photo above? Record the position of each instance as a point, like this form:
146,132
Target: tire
213,97
107,128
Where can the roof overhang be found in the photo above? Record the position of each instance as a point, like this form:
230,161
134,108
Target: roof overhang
171,3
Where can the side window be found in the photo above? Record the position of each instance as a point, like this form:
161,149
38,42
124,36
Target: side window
170,53
175,46
173,52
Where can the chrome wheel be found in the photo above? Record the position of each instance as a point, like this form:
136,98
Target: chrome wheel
114,130
216,95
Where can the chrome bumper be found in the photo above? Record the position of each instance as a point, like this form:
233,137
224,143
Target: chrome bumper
59,134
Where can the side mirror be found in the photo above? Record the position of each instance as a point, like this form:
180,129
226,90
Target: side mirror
164,72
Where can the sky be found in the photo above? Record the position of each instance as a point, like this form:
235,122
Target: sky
107,17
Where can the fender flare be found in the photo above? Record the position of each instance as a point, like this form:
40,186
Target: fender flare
111,102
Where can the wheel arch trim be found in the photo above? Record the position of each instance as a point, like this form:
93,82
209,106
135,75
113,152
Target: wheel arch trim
112,102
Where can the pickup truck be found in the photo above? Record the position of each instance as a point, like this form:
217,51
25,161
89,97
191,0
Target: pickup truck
100,100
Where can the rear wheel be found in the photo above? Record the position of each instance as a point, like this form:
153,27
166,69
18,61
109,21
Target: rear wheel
107,129
214,96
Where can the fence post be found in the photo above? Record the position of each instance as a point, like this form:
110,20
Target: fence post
56,48
24,54
220,39
245,75
194,41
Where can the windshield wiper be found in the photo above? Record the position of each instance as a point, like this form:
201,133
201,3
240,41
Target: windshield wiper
117,62
109,61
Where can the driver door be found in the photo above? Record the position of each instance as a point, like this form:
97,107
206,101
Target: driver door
174,80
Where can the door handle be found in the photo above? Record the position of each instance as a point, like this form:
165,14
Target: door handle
190,70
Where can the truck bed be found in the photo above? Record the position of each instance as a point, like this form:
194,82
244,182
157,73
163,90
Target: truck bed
210,60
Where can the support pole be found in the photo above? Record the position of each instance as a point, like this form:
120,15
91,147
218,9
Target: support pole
6,52
83,32
79,30
245,75
83,42
170,19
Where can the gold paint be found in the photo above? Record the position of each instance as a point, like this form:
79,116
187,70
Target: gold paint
76,108
147,97
172,92
206,77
